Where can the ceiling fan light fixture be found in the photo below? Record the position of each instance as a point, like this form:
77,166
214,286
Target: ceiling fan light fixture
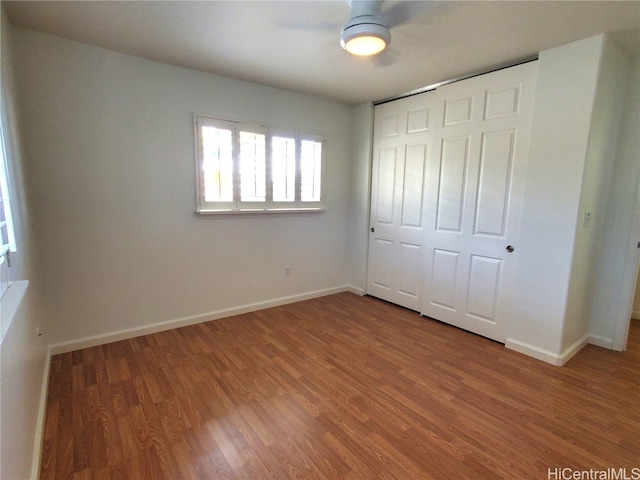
365,38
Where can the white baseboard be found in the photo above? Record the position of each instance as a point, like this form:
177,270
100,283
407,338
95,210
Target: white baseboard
125,334
42,411
532,351
575,348
356,290
600,341
546,355
635,314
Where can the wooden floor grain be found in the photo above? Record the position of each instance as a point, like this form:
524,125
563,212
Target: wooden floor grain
341,387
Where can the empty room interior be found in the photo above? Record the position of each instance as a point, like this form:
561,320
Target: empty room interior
320,239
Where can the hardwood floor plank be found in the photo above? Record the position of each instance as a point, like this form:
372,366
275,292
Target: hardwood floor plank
339,387
49,446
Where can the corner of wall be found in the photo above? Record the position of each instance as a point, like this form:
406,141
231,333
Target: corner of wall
616,255
560,128
25,360
360,194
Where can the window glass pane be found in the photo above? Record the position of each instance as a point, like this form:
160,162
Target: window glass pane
217,164
283,166
252,167
310,170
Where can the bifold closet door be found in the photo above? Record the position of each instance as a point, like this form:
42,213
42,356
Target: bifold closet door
475,193
402,140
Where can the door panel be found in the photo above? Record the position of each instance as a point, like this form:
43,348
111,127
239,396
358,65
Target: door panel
444,278
384,186
402,142
475,191
383,252
484,282
418,120
502,102
496,161
410,271
457,111
451,188
413,185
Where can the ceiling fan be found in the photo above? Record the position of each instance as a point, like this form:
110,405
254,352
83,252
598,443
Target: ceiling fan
368,31
369,23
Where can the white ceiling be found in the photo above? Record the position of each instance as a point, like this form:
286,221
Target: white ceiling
294,45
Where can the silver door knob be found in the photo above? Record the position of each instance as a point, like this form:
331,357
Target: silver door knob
510,248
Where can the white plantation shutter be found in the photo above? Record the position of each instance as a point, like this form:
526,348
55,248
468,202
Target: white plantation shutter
253,168
311,169
283,168
215,166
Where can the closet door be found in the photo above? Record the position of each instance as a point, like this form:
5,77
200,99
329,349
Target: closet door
476,188
402,140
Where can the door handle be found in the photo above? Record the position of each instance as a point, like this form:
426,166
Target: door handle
510,248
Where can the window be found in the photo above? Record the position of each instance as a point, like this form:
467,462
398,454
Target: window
251,168
7,236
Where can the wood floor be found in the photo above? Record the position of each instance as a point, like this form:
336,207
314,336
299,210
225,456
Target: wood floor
337,387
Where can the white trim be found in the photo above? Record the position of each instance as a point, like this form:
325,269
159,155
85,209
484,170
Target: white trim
575,348
125,334
600,341
5,193
260,211
532,351
42,411
546,355
635,314
356,290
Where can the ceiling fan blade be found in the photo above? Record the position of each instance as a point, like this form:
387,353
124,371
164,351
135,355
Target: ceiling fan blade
402,12
309,26
385,58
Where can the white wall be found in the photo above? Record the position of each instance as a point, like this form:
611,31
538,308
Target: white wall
596,185
615,271
565,88
23,355
360,194
109,143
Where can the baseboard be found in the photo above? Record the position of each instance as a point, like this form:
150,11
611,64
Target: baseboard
532,351
558,359
575,348
42,411
356,290
635,314
95,340
599,341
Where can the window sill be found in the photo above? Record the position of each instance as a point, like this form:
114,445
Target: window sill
259,211
10,304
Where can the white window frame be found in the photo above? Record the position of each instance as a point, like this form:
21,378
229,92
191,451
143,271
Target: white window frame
237,206
8,245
